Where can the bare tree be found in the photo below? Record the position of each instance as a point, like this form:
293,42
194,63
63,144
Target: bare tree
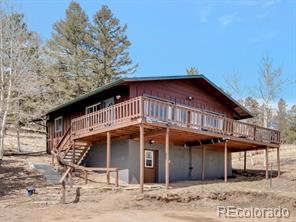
270,84
16,63
234,85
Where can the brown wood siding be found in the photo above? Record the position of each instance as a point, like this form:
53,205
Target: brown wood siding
174,90
77,110
179,91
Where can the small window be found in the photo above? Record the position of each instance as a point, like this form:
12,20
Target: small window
149,158
58,124
92,108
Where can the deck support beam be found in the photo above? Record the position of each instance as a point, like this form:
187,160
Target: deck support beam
141,158
245,161
278,161
108,156
225,161
167,157
203,162
266,163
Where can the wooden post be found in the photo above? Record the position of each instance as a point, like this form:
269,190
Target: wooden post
266,163
108,156
63,192
141,158
70,178
203,162
245,161
225,161
117,177
278,161
167,158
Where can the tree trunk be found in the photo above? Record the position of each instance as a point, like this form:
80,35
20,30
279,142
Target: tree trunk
18,126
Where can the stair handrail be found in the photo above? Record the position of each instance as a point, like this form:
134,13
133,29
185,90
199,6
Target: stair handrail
63,138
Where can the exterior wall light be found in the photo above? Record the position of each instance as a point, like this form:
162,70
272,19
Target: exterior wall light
118,97
151,141
190,98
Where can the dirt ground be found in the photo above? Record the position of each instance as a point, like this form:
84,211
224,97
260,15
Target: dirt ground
184,201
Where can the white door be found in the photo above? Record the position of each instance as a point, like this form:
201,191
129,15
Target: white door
109,118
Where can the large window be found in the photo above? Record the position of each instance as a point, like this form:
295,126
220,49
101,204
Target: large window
58,124
149,158
92,108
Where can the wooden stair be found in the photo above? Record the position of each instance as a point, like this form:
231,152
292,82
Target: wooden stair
69,151
76,153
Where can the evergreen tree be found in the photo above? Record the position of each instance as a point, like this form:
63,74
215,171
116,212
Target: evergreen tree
254,107
281,118
291,131
109,45
68,54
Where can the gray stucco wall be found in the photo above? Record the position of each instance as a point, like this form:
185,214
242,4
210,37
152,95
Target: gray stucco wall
125,156
179,163
96,157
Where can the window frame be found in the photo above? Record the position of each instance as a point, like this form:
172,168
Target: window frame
60,129
152,158
92,106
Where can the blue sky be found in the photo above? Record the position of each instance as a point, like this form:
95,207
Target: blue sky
218,37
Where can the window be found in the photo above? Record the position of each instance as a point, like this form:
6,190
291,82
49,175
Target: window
92,108
149,158
58,124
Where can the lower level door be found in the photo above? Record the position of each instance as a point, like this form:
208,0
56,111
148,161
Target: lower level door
151,166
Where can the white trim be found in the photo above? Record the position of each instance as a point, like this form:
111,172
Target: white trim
60,129
152,158
91,106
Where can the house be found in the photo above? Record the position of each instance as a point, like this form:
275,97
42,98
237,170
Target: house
156,129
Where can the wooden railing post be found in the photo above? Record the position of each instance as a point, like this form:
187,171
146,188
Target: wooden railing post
141,104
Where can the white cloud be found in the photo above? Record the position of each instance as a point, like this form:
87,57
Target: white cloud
228,19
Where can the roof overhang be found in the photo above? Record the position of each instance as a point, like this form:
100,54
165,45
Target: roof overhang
201,80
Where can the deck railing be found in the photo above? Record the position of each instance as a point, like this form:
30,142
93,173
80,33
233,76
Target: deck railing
162,111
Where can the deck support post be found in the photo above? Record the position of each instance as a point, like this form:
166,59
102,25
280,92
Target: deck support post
203,162
225,161
167,157
108,156
266,163
245,161
141,158
278,161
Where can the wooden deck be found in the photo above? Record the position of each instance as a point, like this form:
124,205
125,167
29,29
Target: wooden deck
189,125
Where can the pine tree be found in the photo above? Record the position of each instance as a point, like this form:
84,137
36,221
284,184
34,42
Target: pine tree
291,129
254,107
281,118
67,49
109,45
